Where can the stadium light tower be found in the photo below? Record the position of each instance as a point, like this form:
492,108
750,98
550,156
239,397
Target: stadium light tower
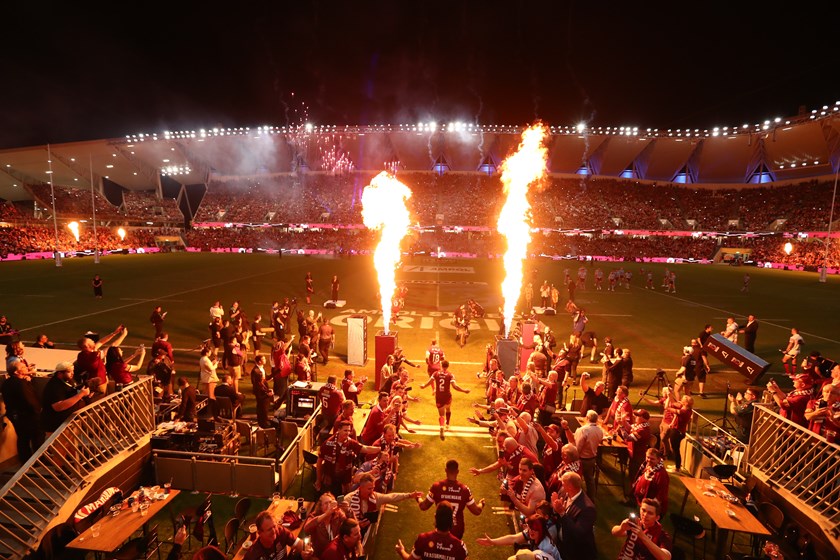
52,195
828,237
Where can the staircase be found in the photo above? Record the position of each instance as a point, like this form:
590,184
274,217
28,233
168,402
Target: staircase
31,498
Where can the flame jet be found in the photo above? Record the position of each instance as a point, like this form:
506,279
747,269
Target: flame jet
383,208
520,170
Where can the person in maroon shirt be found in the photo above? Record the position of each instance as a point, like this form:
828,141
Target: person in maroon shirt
547,397
330,398
638,440
120,369
652,480
434,357
528,400
439,544
823,414
793,405
458,494
348,407
274,540
444,382
509,458
352,388
336,458
346,545
376,421
89,363
646,539
162,343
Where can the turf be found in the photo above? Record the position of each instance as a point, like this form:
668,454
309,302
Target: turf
37,297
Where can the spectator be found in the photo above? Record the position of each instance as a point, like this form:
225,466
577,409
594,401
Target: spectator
274,540
644,531
23,407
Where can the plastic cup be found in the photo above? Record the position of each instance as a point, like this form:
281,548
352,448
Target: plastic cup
144,510
276,497
252,530
95,529
166,487
135,505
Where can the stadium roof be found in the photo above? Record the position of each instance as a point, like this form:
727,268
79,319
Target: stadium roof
795,149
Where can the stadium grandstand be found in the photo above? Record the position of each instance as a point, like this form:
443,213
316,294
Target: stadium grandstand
681,194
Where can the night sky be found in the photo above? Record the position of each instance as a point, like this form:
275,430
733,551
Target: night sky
149,67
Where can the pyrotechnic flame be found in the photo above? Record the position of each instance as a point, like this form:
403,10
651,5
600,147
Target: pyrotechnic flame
519,171
383,208
121,233
74,229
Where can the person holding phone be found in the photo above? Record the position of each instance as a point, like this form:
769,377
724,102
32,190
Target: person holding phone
646,539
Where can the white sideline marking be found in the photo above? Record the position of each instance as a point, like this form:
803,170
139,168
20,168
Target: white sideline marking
731,314
146,301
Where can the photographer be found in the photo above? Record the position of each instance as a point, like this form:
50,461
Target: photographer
824,414
741,408
792,405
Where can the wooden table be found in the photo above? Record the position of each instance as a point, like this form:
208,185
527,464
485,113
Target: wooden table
115,530
716,507
277,509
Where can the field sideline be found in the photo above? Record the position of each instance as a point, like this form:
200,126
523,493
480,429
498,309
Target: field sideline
38,297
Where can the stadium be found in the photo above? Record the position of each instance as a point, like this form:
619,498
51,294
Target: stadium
742,216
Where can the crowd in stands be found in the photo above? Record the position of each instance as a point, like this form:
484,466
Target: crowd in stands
140,204
33,239
456,199
8,211
474,199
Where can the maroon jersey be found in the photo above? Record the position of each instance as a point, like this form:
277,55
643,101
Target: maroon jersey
456,493
548,395
337,458
793,407
341,419
434,359
439,546
337,551
443,387
374,426
635,550
514,457
277,550
331,399
350,390
528,403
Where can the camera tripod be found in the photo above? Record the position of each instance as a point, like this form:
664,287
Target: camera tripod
660,379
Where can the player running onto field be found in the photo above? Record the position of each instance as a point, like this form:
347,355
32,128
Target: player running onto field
444,382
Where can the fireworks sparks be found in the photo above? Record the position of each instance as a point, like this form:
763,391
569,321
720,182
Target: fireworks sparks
383,208
521,169
121,233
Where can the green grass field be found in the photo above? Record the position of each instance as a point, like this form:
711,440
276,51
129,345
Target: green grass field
40,297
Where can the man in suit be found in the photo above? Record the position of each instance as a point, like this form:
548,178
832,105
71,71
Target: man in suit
750,331
575,518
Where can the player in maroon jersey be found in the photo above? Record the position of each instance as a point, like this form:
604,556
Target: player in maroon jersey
457,494
439,544
434,357
336,458
444,382
330,398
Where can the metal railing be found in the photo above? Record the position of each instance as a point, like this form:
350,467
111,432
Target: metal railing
88,440
717,442
224,474
793,459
